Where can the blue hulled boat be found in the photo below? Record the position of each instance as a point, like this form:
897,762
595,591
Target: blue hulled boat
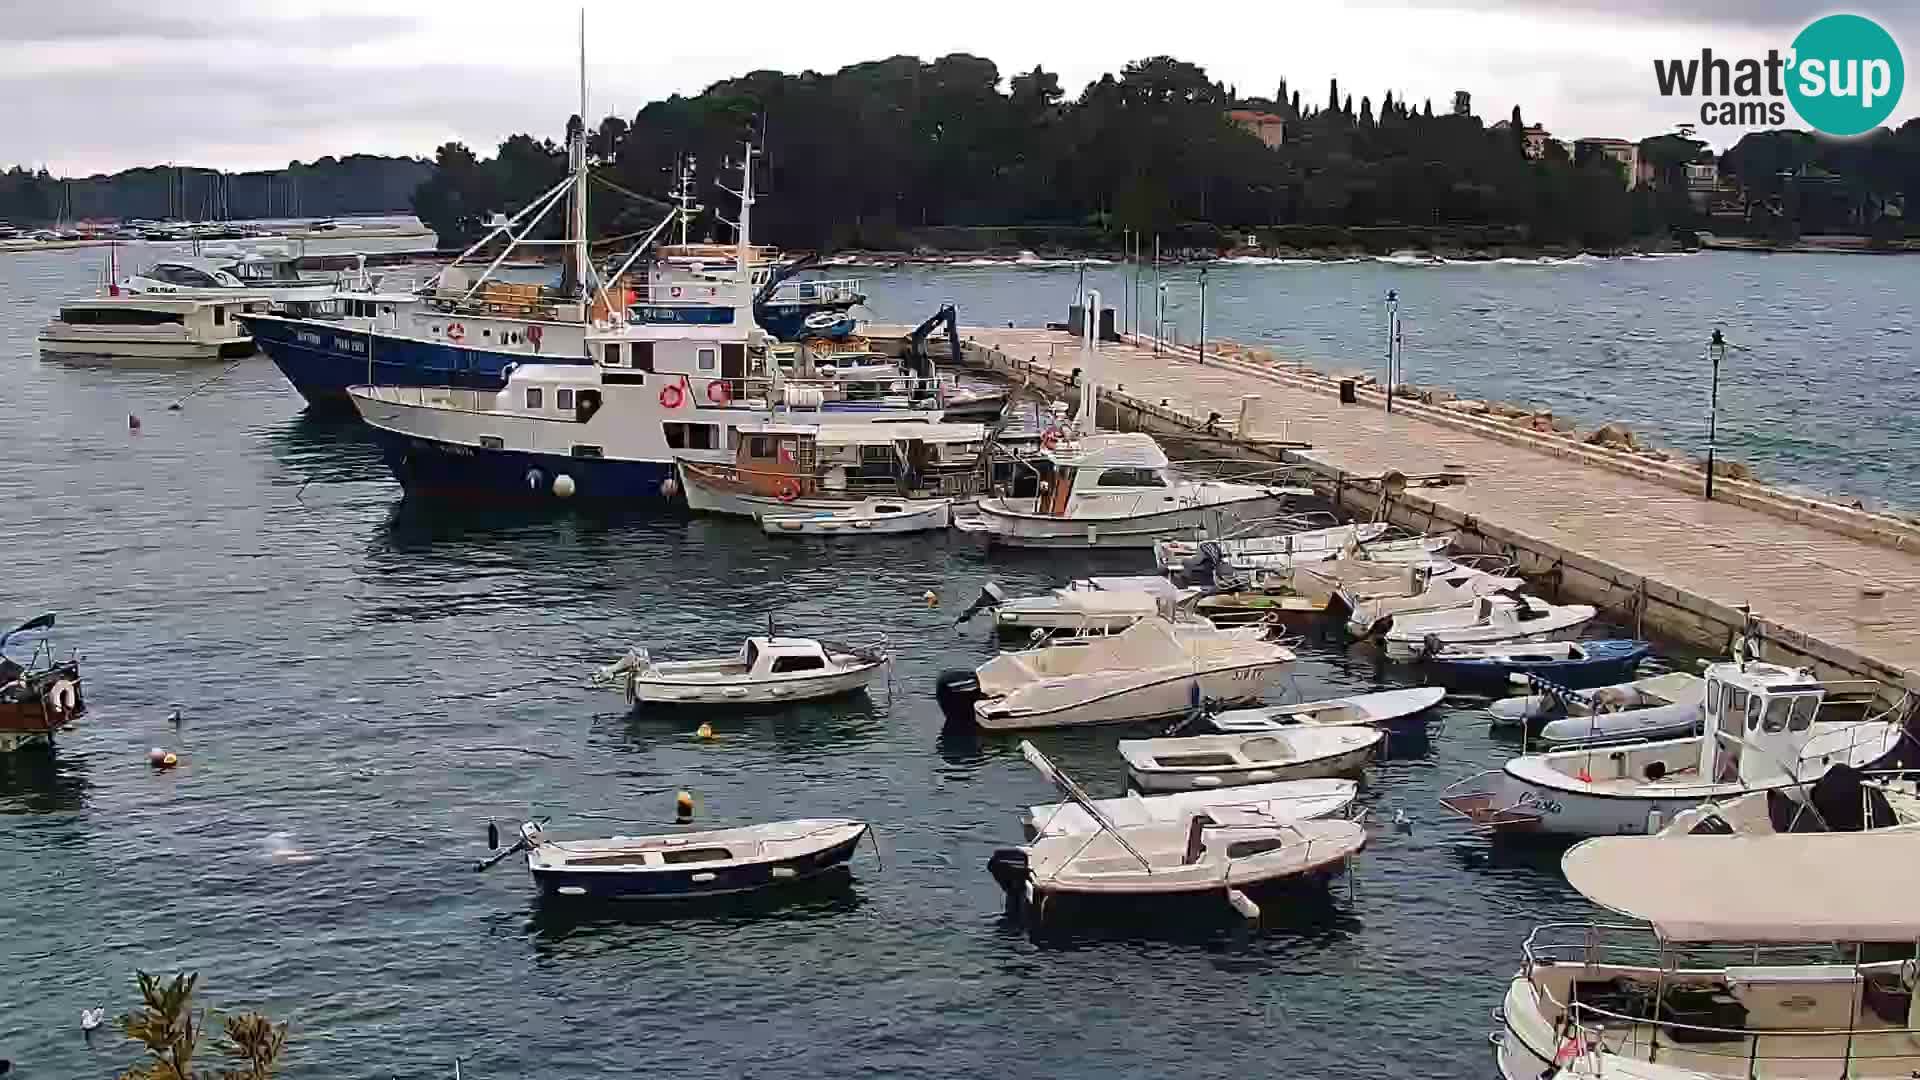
1491,668
688,865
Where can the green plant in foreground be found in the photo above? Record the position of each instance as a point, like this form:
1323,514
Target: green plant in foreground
170,1030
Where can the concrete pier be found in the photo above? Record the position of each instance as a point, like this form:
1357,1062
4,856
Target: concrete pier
1830,587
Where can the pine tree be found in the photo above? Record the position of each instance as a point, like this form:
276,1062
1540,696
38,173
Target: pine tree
1347,108
1333,95
1366,111
1429,113
1294,109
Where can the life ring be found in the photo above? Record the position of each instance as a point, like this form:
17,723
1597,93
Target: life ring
788,491
455,332
674,292
533,335
671,396
718,393
62,696
1051,438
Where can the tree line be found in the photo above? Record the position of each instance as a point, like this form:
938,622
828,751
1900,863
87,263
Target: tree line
326,187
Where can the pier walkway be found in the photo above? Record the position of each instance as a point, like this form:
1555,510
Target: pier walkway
1832,586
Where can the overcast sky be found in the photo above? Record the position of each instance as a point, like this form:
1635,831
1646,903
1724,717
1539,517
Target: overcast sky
98,85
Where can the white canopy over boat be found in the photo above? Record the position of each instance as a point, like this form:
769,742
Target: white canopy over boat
1811,888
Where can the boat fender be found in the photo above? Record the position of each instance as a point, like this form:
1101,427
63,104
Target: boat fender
956,691
161,758
669,488
788,490
718,393
563,486
535,481
671,396
456,332
1010,870
1243,904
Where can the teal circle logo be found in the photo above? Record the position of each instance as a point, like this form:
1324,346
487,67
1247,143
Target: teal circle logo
1846,75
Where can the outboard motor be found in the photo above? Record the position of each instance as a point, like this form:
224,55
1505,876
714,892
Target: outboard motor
1010,869
1203,565
991,596
956,691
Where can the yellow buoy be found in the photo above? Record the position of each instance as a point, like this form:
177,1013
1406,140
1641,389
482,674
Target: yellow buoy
705,731
932,598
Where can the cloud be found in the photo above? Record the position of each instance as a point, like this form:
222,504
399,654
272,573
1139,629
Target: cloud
38,22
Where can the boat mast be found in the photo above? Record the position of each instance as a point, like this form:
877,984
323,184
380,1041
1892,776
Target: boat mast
743,234
582,260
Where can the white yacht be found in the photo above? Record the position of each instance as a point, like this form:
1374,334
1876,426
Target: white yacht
152,327
271,273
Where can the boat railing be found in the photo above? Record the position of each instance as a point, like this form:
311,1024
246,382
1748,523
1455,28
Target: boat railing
818,291
868,644
958,480
450,398
1241,471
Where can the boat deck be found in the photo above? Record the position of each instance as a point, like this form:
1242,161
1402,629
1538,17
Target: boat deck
1831,586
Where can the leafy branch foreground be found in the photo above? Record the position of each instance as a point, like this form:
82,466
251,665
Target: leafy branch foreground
170,1029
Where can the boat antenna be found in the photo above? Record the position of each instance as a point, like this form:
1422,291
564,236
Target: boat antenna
582,261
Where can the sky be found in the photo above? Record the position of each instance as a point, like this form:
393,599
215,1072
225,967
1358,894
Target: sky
97,85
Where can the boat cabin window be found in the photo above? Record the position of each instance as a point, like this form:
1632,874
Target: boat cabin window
1241,849
1776,713
640,355
1131,478
675,856
1804,708
797,663
762,447
533,397
613,353
563,399
118,317
708,358
1713,698
1733,709
184,275
219,315
691,436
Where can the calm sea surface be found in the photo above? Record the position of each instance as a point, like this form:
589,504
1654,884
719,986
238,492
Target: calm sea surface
366,683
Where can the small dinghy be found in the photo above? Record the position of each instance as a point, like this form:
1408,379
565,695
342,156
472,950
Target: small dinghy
869,517
1218,851
1381,710
1576,664
684,865
1213,761
1668,706
1503,618
1284,803
766,670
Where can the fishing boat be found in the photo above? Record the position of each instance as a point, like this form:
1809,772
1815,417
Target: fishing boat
1194,762
1737,956
1148,671
1302,544
1282,803
1668,706
1504,617
686,865
868,517
1576,664
152,327
40,697
1383,709
767,670
1218,851
789,466
1760,732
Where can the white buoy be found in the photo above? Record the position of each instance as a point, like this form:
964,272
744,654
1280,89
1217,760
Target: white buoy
534,480
563,486
1243,904
669,488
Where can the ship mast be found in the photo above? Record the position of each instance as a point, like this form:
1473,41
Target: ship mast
582,259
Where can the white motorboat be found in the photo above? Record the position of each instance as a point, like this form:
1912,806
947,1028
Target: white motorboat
1505,617
1220,851
1097,605
687,865
1746,956
1303,544
1457,588
1381,709
1153,669
1283,803
265,272
152,327
868,517
1116,491
766,670
1760,733
1193,762
1665,706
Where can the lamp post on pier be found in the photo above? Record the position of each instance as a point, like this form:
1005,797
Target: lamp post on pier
1203,314
1159,316
1717,351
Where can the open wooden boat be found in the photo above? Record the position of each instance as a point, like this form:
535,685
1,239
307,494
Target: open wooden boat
1576,664
869,517
766,670
40,697
1283,803
1213,761
1379,709
688,865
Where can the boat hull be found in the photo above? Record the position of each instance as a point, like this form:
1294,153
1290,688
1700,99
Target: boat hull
849,522
765,692
1496,676
433,468
322,358
1158,698
1349,763
693,882
1412,648
1140,531
184,350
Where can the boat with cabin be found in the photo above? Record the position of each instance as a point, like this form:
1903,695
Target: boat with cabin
153,327
783,467
1761,731
39,697
766,670
1758,956
267,271
1504,616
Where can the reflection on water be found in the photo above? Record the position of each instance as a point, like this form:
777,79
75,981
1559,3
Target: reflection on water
42,780
559,925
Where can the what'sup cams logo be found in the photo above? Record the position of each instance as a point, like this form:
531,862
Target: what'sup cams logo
1843,75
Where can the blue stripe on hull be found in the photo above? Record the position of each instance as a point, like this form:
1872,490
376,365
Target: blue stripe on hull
788,321
425,467
321,359
680,884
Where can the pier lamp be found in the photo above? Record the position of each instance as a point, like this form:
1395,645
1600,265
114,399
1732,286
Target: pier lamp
1716,351
1203,314
1393,336
1159,316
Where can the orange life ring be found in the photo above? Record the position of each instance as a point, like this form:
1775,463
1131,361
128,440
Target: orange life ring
788,491
718,393
671,396
455,332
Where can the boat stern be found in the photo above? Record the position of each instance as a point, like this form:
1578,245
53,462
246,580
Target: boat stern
1484,800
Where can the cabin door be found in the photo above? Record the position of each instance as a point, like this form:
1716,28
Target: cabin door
1060,494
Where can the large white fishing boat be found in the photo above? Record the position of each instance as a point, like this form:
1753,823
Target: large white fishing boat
1760,733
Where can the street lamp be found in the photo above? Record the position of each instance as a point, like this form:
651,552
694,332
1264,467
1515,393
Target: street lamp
1203,314
1159,316
1393,336
1717,350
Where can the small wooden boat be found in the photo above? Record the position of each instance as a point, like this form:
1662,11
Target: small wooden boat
1213,761
1380,709
40,697
1575,664
1217,851
1283,803
869,517
766,670
686,865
